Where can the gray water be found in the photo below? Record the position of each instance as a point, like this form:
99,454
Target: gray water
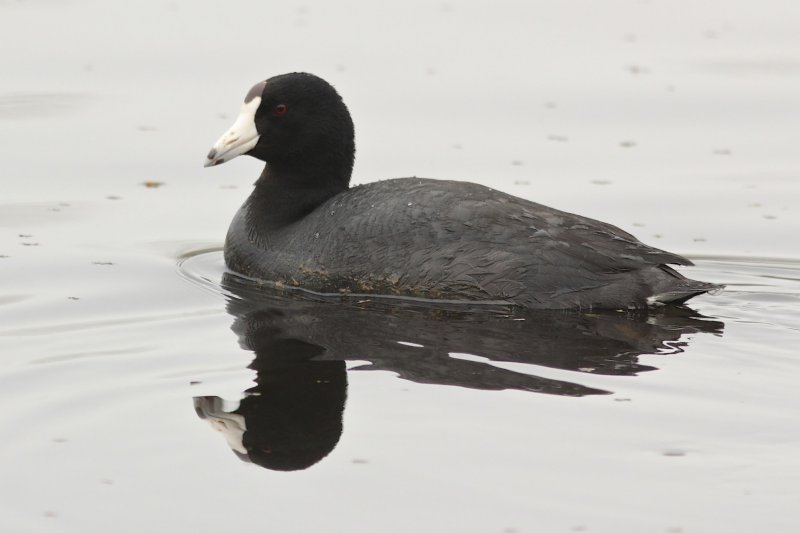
125,348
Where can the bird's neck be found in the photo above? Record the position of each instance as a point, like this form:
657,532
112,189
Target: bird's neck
285,193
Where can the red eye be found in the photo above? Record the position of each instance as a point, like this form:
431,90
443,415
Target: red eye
280,110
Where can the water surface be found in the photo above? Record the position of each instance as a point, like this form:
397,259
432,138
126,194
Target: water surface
126,348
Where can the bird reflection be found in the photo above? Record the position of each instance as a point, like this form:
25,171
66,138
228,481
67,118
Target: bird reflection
292,417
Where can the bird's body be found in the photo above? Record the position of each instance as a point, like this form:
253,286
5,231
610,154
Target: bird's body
304,226
455,240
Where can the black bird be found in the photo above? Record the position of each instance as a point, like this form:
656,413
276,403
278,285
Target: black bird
304,226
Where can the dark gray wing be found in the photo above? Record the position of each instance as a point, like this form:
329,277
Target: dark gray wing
469,239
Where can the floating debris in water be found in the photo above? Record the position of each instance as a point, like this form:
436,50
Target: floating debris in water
627,144
103,263
516,163
673,453
637,69
601,182
152,184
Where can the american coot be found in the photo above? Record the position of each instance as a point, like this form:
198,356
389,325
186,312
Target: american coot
304,226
